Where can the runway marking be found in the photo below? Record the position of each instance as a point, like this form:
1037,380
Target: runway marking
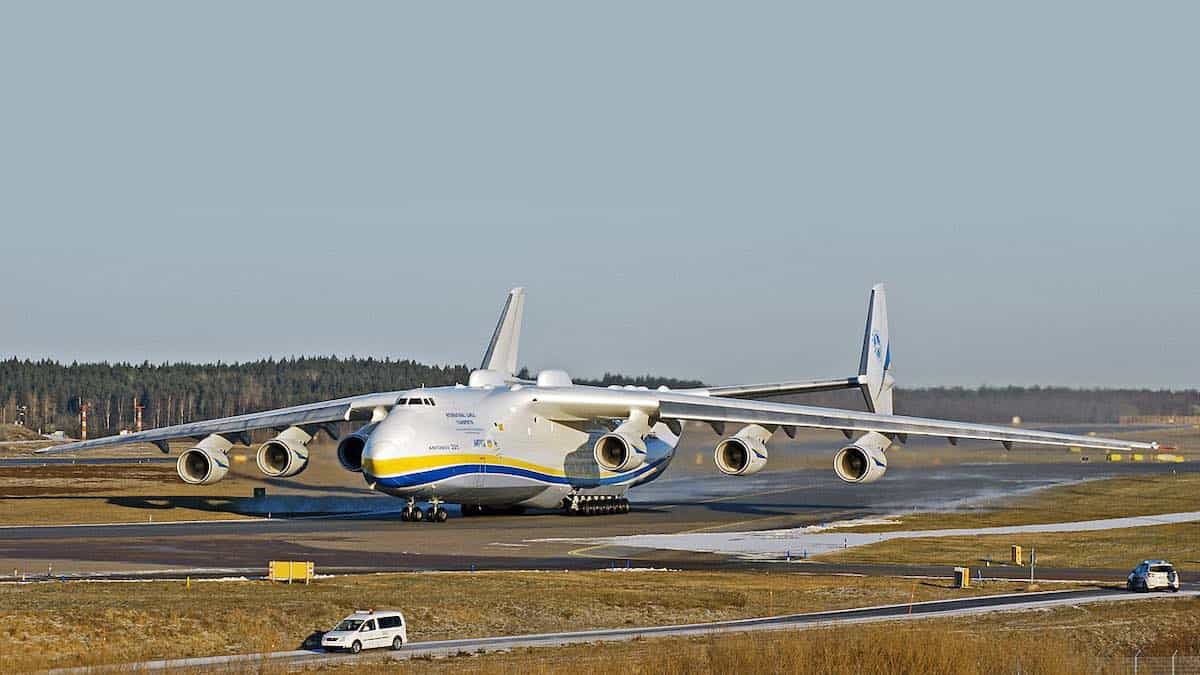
582,552
760,544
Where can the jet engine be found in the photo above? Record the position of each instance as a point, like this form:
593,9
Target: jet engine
744,453
285,455
624,448
863,461
350,449
206,463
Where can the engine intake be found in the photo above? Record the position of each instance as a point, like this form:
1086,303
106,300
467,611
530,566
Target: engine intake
618,452
864,461
744,453
206,463
350,449
285,455
624,448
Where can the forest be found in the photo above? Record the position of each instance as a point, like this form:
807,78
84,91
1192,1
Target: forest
172,393
51,393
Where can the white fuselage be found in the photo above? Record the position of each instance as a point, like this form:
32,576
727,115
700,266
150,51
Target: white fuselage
485,445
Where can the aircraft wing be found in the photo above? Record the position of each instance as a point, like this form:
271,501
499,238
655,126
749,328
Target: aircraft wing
777,388
580,403
314,414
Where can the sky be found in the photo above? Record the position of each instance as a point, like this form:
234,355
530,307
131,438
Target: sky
693,189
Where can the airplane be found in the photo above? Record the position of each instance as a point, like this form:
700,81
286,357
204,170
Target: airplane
504,442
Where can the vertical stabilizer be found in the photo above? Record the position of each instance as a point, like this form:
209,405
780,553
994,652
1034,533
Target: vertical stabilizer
874,370
501,353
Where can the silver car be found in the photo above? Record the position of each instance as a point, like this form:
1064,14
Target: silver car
1153,575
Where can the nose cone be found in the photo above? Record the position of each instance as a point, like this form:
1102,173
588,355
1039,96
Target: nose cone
374,454
384,446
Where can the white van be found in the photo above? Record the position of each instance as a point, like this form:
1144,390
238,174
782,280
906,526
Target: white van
367,629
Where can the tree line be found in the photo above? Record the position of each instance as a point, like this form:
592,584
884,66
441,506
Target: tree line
174,393
52,393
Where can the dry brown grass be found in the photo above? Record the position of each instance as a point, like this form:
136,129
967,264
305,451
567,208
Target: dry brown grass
1116,497
1093,638
1108,498
121,622
12,432
1111,549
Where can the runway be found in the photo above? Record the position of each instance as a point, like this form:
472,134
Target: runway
443,648
684,501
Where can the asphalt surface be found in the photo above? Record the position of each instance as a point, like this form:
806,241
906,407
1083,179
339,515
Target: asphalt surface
920,610
683,502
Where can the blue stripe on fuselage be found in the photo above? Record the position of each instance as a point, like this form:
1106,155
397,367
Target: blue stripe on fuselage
409,480
443,473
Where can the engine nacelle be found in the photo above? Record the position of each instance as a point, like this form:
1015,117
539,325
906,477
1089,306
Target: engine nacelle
864,461
206,463
619,452
350,449
744,453
285,455
624,448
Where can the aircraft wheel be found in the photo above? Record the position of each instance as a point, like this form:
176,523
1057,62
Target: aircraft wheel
406,514
417,515
441,515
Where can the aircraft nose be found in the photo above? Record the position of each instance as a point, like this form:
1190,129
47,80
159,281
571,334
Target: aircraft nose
374,452
386,443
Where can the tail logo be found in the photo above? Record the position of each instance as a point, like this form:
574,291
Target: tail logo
877,345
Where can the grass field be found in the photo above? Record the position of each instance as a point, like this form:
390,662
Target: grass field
1091,638
1116,497
121,622
1108,498
1108,549
12,432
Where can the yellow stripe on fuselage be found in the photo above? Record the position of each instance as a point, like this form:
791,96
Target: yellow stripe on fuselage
394,466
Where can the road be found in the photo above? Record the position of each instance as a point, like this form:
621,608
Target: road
920,610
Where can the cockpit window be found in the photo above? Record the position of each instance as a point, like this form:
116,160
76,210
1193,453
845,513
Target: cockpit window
414,401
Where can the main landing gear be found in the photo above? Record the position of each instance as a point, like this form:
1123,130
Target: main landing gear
414,514
595,505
